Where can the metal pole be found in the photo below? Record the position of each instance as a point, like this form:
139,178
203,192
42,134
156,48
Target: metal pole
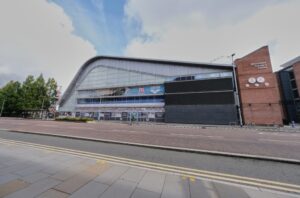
42,108
2,107
237,92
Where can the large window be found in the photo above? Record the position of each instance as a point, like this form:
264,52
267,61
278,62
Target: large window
122,100
101,77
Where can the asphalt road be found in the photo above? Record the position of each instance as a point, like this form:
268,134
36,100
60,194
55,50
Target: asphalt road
275,171
225,139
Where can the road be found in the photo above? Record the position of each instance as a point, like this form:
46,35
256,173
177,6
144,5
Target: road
268,170
223,139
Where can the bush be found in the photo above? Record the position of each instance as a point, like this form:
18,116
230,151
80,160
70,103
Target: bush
73,119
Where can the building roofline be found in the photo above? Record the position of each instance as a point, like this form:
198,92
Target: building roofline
161,61
289,64
265,46
172,62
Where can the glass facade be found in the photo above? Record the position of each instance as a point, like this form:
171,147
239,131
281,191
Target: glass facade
105,77
122,100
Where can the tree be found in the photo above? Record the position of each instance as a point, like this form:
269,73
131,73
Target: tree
51,86
32,95
28,99
11,94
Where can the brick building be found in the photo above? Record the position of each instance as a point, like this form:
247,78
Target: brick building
258,88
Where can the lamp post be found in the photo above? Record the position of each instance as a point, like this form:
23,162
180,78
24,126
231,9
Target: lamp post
42,108
2,107
236,91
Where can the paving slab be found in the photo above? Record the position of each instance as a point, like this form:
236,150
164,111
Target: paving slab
229,191
141,193
7,178
280,194
91,190
198,189
35,177
51,193
35,189
120,189
175,187
112,174
14,168
152,181
77,181
12,186
68,172
30,170
133,174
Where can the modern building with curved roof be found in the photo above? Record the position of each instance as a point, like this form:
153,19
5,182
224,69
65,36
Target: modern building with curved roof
120,88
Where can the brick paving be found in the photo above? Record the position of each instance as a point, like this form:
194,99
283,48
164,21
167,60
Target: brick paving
256,141
100,179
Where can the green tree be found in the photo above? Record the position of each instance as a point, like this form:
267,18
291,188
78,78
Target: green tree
10,93
33,94
28,100
51,86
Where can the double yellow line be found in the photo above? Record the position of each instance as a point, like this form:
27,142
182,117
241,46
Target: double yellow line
186,172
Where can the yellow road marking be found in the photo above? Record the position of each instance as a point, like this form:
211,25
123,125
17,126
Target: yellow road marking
192,179
101,161
186,172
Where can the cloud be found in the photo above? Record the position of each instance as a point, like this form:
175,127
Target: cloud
37,37
205,30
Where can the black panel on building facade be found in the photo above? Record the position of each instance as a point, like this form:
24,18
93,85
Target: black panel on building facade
201,114
200,102
200,98
199,85
288,101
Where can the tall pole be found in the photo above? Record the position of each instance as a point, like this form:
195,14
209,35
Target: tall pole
42,108
2,107
237,98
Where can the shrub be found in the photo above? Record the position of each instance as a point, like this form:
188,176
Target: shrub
73,119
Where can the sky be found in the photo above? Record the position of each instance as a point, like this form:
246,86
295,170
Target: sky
56,37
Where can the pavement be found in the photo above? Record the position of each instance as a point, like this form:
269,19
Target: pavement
259,142
28,171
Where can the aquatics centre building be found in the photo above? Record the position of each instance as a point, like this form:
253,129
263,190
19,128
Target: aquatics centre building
120,88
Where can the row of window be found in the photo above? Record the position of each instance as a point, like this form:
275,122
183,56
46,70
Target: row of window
122,100
203,76
294,85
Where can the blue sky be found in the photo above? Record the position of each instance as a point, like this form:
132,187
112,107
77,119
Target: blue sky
101,22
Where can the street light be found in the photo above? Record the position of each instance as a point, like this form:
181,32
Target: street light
2,107
237,99
42,108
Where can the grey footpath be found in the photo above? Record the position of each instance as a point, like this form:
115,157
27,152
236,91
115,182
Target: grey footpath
28,173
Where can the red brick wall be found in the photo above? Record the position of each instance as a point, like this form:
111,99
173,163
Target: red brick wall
260,102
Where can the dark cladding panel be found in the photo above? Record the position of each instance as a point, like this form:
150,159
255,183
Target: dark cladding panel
200,102
201,114
200,98
199,85
287,96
